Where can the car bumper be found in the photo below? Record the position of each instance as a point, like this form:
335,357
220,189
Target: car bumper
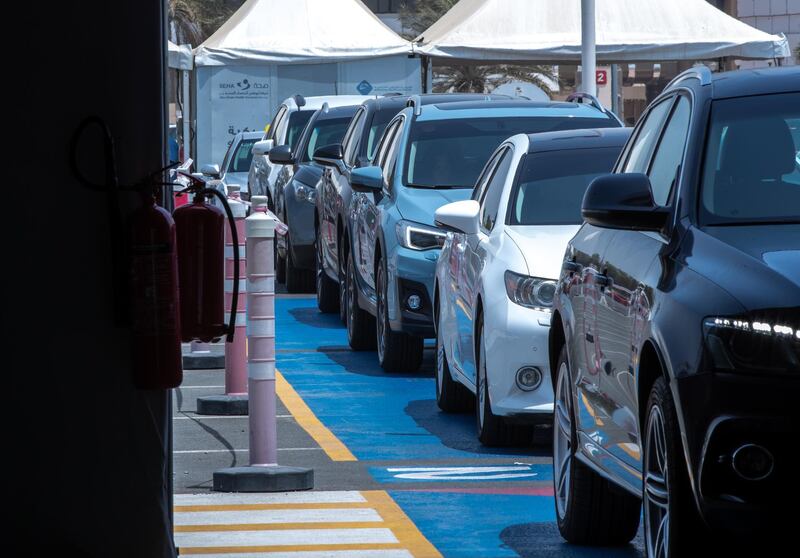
516,337
723,412
411,272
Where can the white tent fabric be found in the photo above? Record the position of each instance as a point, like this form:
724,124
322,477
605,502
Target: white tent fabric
627,30
179,57
299,31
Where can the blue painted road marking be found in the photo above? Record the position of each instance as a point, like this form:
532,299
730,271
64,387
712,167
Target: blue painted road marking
491,473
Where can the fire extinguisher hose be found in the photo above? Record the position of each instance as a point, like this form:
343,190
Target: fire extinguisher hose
235,239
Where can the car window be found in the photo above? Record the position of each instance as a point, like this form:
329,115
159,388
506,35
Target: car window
243,156
751,167
276,122
646,137
486,174
296,124
383,144
669,153
379,121
490,204
352,137
324,132
391,156
550,186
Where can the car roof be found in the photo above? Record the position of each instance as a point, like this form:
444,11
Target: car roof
315,103
337,112
251,135
759,81
578,139
501,108
400,101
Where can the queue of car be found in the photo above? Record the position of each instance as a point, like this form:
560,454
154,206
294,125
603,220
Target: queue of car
637,289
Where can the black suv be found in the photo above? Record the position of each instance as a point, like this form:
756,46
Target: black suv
675,340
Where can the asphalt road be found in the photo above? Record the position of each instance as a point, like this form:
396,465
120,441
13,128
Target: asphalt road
377,438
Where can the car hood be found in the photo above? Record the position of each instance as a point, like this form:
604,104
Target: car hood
543,247
419,204
758,265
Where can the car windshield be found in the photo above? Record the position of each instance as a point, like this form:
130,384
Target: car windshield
325,132
751,172
452,153
243,157
297,123
549,189
379,121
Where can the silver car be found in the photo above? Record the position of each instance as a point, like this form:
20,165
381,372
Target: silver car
236,164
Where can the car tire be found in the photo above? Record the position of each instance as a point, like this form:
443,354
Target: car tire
492,429
397,351
589,510
342,286
672,524
360,324
327,289
280,264
451,396
297,280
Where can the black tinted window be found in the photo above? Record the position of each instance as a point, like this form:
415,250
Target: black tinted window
379,121
669,154
550,187
243,157
297,123
490,204
325,132
751,168
452,153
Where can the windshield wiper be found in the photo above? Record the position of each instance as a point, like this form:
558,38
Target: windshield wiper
437,187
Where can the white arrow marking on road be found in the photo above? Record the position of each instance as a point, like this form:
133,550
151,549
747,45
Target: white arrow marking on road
461,473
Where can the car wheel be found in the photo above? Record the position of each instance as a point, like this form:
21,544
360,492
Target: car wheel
492,429
342,288
327,290
397,351
588,509
672,524
451,396
297,280
280,264
360,325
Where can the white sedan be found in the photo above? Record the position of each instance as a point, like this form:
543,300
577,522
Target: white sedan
496,277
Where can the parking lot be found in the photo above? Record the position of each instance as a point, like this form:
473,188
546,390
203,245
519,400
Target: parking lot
403,478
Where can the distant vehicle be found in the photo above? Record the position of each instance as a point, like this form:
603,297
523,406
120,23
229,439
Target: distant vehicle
286,127
513,231
295,193
428,156
235,165
676,326
334,193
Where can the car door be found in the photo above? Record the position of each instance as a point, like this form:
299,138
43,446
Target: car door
474,258
365,216
626,299
458,246
266,171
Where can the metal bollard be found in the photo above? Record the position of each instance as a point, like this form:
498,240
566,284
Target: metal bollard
264,474
234,402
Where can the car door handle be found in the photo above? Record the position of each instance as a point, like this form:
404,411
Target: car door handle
572,267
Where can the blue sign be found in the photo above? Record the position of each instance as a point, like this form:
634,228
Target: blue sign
364,87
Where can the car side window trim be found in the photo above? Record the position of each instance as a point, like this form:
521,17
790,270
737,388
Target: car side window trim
350,142
671,196
506,150
626,156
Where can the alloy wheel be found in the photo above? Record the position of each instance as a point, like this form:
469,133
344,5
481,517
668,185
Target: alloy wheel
343,305
562,441
656,487
482,387
351,297
381,312
440,356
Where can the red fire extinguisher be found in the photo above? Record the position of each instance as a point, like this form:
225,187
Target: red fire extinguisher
154,298
201,256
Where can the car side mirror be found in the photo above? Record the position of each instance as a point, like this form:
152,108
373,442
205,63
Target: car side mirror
460,216
329,155
262,147
210,170
281,155
367,179
623,201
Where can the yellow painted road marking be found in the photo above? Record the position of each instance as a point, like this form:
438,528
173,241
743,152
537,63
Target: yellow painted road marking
306,418
403,528
279,526
251,507
288,548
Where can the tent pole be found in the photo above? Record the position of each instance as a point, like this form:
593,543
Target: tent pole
588,51
616,97
185,114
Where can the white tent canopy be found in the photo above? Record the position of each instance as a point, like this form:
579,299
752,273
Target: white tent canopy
299,31
627,30
179,57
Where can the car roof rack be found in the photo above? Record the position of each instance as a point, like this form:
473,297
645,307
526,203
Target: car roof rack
700,72
583,98
325,107
300,101
415,101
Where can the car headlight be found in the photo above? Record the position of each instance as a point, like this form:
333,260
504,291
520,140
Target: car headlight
419,237
530,292
744,345
305,193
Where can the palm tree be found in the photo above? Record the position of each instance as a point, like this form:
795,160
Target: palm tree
417,16
183,25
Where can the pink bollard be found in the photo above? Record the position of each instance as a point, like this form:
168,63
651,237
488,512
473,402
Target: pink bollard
263,474
236,352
